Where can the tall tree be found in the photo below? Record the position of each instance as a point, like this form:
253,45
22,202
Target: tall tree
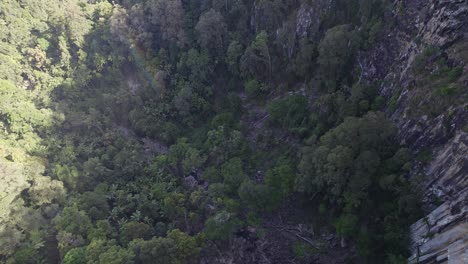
212,32
169,18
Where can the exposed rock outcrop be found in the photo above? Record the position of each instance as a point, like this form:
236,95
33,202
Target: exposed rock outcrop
445,22
442,235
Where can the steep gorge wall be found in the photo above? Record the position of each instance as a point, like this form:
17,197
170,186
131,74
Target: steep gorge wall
442,176
441,236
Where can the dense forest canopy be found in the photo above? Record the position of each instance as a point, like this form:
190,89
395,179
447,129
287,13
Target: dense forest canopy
136,131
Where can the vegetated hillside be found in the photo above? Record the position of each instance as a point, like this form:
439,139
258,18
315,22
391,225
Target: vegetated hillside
187,131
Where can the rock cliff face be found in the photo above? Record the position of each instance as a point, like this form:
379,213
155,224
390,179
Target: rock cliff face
441,236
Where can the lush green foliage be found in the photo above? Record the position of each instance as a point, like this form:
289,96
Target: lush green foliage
359,169
129,131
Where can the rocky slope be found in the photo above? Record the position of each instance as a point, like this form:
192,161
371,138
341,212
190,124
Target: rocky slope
441,236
